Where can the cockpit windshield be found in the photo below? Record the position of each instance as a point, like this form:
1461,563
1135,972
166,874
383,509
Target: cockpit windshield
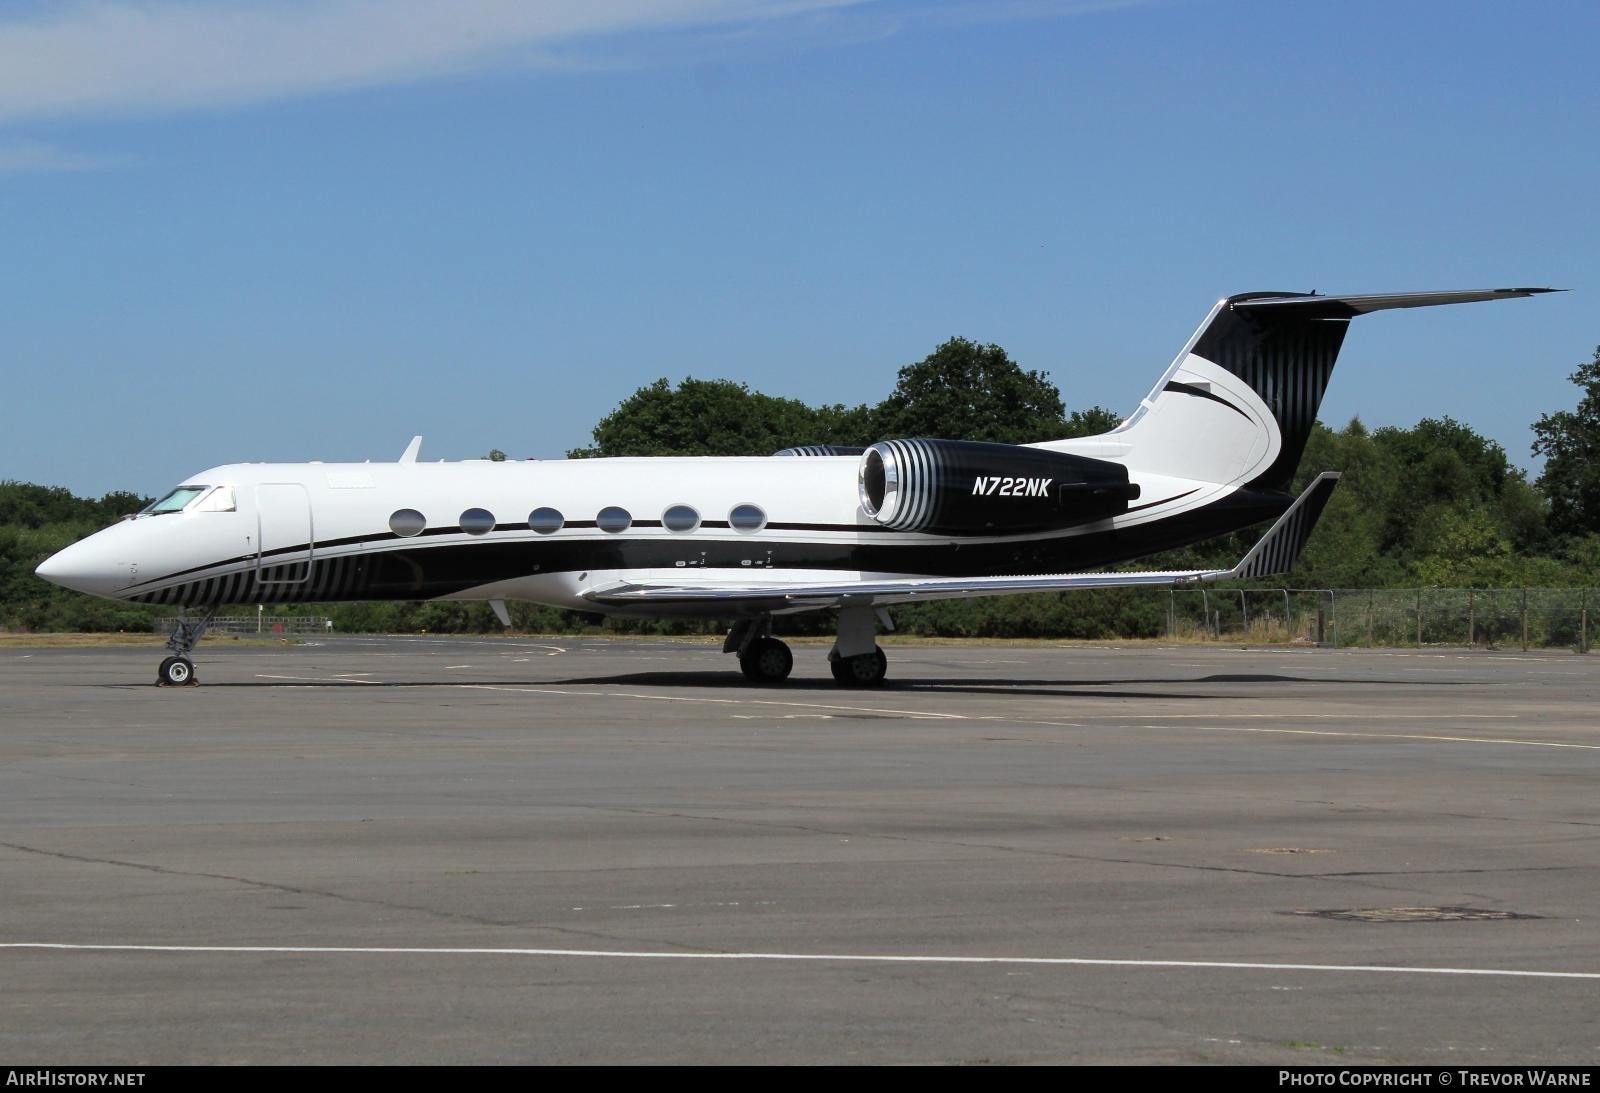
174,501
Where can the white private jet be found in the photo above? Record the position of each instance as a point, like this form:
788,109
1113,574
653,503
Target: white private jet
1210,450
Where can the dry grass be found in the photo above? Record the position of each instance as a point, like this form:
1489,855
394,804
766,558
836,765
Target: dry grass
1258,634
1270,631
74,641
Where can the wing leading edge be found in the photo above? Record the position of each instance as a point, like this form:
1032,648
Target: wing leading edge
1275,553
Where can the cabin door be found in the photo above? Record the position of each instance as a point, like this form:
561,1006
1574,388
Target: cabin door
284,542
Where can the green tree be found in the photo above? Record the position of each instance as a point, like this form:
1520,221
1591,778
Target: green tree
966,391
1091,422
718,417
1569,440
37,521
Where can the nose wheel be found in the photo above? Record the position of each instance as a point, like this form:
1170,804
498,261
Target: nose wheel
175,672
178,670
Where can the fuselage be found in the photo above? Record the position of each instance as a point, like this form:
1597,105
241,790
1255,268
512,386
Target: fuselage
549,531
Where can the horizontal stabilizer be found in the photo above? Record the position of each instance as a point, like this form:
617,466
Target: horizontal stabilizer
1348,307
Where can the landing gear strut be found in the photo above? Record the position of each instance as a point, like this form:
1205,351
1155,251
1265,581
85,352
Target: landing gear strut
762,657
855,659
178,670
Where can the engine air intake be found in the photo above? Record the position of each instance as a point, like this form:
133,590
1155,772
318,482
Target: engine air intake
966,487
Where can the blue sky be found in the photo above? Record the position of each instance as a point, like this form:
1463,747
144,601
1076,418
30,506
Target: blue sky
307,230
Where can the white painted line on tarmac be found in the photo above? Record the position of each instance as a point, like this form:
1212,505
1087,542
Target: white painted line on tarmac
321,679
782,717
1317,716
923,714
815,958
1384,736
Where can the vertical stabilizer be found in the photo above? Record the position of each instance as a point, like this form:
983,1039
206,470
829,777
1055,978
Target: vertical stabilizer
1239,403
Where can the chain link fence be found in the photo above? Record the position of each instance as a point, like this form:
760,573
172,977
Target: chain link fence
265,625
1495,618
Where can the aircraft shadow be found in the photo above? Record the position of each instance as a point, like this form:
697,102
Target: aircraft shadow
1064,688
724,681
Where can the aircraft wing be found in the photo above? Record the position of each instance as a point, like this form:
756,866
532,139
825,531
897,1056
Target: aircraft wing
1275,553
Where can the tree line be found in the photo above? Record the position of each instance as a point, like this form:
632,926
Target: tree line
1436,504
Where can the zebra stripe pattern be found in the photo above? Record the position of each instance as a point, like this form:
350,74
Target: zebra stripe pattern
1287,360
914,469
330,578
1277,551
820,449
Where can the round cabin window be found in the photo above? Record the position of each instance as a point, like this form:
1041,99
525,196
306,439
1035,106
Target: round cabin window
747,518
613,519
407,522
680,518
545,520
477,521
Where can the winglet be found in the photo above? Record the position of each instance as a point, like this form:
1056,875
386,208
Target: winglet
1277,550
412,450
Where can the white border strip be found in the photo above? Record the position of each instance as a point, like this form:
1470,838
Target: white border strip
852,958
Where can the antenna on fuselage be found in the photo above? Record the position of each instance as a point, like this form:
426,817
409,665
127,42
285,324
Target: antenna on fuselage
410,454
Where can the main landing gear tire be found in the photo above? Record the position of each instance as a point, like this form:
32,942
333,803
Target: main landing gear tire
175,672
866,670
767,660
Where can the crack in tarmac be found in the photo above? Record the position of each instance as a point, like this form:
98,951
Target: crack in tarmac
271,886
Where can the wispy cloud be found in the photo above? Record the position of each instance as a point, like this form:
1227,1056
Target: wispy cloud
18,157
95,58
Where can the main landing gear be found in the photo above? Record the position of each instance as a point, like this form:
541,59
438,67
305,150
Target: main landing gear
762,657
178,670
768,660
855,659
862,670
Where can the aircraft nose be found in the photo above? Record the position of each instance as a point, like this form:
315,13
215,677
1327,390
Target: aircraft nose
85,567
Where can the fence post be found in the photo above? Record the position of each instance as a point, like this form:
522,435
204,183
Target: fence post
1419,618
1172,615
1470,605
1583,625
1524,619
1369,618
1244,613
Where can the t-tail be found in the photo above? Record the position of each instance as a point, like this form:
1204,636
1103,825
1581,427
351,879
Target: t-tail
1239,402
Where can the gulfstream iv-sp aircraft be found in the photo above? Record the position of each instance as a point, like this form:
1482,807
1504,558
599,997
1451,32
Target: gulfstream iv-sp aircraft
1210,450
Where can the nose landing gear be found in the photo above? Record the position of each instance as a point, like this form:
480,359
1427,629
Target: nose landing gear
178,670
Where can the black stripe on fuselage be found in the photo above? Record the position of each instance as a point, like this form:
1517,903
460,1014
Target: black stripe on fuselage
428,570
325,546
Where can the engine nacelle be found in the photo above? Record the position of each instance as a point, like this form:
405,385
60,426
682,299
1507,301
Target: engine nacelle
968,487
820,449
